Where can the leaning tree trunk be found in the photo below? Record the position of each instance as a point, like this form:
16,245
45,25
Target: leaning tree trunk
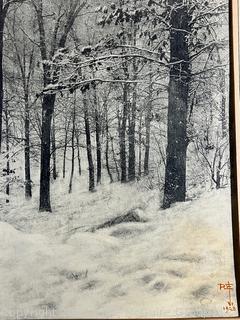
73,145
47,113
175,174
28,182
89,147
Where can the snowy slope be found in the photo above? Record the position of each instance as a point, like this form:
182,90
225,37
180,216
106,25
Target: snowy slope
52,266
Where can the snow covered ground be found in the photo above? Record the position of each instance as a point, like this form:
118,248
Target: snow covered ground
53,266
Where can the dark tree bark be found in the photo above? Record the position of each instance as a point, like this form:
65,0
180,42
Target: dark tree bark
26,63
107,152
148,120
3,13
132,115
223,105
67,124
140,147
7,150
123,157
222,87
175,174
89,147
73,145
98,135
51,77
64,160
99,147
28,181
147,145
218,173
47,113
54,154
64,155
2,18
131,138
115,159
48,103
78,154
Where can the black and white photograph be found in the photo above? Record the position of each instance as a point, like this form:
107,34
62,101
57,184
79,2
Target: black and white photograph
116,178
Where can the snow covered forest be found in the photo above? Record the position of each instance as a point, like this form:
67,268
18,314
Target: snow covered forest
115,196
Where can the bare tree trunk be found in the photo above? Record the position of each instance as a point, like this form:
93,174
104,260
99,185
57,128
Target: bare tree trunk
89,147
115,159
107,152
148,120
132,115
47,108
1,76
73,145
140,147
28,182
223,104
65,147
99,148
26,71
4,7
51,77
2,20
147,145
223,112
175,174
222,87
64,157
78,154
123,128
131,138
7,151
54,155
218,173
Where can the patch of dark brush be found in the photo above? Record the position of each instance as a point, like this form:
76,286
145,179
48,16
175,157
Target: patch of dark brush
184,258
90,285
48,306
130,216
72,275
160,286
201,291
126,232
176,273
117,291
148,278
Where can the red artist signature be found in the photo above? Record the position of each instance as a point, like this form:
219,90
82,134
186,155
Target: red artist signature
229,306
